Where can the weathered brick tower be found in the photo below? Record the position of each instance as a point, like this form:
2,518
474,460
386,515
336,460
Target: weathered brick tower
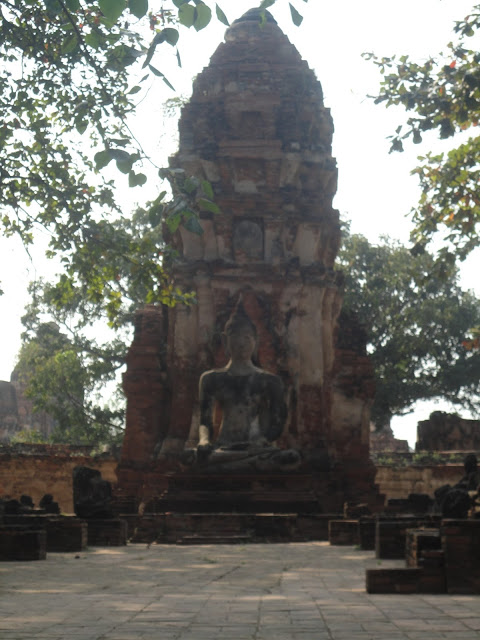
257,130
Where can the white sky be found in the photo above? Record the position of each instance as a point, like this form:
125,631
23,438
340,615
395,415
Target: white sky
375,190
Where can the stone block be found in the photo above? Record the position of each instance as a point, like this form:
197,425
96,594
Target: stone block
66,534
417,542
315,526
461,544
393,580
343,532
107,533
366,531
22,543
433,580
390,537
408,580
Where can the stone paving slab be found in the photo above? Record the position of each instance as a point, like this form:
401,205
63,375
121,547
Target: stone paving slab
308,591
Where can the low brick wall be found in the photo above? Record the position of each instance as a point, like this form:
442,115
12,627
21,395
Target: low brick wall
39,469
400,482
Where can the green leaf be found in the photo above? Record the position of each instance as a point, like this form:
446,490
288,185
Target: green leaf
221,16
139,8
81,126
53,7
121,142
136,179
186,15
155,72
93,40
72,5
125,166
169,84
151,51
417,137
266,3
134,90
179,61
207,189
207,205
120,154
190,185
193,225
203,15
102,158
69,44
297,19
171,36
112,9
123,159
178,3
160,75
173,222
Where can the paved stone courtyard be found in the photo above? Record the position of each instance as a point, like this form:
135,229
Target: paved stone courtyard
308,591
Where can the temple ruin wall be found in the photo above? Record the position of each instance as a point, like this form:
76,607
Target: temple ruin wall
39,469
47,471
400,482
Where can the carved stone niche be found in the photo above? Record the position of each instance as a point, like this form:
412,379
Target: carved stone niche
248,243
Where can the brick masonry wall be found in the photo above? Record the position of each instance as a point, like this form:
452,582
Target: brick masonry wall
399,482
40,469
48,469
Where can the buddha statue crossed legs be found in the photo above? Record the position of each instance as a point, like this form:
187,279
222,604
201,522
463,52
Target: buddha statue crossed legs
252,404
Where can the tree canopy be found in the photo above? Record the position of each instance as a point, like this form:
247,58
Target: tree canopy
74,72
59,380
416,323
442,95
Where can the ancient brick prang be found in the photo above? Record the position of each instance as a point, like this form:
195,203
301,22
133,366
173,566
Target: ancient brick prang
257,130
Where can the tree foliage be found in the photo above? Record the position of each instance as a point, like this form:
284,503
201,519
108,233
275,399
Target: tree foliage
73,74
60,379
442,95
82,309
416,324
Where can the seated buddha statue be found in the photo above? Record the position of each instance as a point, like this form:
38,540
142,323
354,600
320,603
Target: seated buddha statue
252,406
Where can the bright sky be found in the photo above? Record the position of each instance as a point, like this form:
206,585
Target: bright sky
375,190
